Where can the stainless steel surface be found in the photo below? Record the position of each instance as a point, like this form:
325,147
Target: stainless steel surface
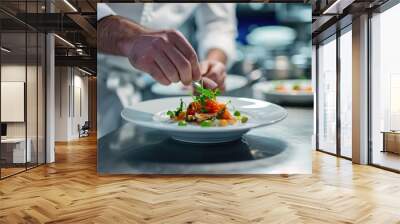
284,147
281,148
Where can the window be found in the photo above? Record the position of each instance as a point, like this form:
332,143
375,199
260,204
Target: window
385,89
346,92
22,87
327,96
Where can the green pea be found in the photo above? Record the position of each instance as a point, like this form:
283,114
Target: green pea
236,113
182,123
244,119
206,123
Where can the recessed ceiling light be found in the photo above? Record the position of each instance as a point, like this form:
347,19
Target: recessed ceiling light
65,41
84,71
70,5
337,7
5,50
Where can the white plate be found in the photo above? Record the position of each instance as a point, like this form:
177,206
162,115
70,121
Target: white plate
272,37
232,82
266,90
151,114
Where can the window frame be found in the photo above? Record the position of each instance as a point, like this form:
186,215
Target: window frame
333,37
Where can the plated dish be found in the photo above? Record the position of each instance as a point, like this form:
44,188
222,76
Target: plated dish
232,82
206,111
239,115
297,91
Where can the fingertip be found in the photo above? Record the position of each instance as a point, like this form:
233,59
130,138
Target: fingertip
174,77
164,81
196,75
203,68
210,84
186,82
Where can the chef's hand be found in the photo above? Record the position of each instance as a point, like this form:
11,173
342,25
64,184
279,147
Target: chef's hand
213,74
166,55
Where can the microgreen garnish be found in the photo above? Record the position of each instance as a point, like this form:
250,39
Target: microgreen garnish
170,114
179,109
206,94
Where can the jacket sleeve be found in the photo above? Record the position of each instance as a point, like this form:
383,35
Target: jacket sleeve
217,28
103,10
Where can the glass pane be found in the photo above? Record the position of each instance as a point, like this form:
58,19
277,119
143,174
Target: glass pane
327,96
13,86
346,93
32,87
41,98
386,89
31,97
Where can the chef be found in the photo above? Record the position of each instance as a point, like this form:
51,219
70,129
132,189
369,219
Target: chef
147,35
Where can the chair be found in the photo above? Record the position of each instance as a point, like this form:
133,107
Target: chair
84,130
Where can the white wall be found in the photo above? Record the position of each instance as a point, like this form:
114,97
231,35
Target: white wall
69,82
33,126
15,72
79,117
62,81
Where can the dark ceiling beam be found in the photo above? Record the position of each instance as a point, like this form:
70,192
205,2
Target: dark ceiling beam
344,11
79,61
322,22
86,27
87,51
55,22
91,6
72,9
49,22
11,25
16,18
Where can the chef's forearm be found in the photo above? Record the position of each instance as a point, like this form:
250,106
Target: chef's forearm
114,32
217,54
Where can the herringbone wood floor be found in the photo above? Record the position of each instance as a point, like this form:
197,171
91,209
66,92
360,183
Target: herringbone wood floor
70,191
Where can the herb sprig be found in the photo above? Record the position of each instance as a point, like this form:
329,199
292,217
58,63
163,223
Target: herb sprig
205,94
178,110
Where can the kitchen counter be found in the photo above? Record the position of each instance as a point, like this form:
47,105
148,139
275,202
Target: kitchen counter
284,147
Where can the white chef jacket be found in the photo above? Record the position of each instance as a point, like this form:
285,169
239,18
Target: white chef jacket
216,28
216,22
